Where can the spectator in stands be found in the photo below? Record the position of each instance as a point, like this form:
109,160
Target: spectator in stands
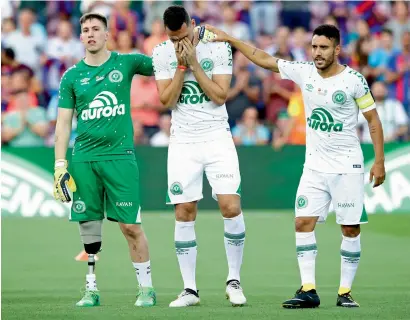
290,128
25,126
299,46
8,26
161,138
154,10
124,43
103,7
157,36
140,137
244,90
249,132
296,14
360,57
123,19
62,52
400,22
391,113
145,103
21,80
27,46
206,12
398,75
276,93
264,17
380,55
231,26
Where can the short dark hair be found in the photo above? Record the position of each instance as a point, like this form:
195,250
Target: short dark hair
94,15
329,31
388,31
175,17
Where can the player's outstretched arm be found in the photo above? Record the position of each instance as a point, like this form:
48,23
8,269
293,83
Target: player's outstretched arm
376,133
257,56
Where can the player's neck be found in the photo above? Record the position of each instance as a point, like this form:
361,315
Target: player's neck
98,58
333,70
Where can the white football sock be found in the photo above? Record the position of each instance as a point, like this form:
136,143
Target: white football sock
350,254
306,251
234,238
143,272
186,249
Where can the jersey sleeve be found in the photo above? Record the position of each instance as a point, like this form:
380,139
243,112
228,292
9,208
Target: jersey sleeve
139,64
294,70
223,58
161,67
362,95
66,97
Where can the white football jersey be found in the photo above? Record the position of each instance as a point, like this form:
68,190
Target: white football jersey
195,118
331,108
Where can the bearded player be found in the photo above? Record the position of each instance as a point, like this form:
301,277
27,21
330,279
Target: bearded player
193,79
333,94
103,163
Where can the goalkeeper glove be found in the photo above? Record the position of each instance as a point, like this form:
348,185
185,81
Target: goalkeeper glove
63,181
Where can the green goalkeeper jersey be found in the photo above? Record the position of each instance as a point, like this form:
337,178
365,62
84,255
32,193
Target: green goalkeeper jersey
101,97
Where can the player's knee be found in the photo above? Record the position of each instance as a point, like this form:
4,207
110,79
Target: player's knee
92,248
351,231
304,224
185,212
230,210
132,231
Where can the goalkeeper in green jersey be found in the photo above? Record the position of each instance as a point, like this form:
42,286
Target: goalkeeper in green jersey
103,173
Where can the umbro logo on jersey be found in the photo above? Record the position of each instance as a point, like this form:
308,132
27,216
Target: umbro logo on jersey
322,120
309,87
85,81
105,104
192,93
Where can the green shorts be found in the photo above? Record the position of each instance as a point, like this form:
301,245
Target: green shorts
106,187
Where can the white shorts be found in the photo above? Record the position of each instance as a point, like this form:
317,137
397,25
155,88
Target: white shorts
318,190
187,163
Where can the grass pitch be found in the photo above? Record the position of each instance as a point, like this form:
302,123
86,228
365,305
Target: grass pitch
41,279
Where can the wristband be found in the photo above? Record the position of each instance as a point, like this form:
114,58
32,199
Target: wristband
182,68
60,163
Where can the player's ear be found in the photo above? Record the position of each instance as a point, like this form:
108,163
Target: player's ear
193,23
337,50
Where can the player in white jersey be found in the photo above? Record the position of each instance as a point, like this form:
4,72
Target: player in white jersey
333,94
193,79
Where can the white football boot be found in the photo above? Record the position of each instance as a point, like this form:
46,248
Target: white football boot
186,298
235,294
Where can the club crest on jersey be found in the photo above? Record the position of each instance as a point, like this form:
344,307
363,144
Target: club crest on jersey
192,93
105,104
339,97
115,76
207,64
322,120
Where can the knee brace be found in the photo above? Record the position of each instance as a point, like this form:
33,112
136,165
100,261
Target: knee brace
91,236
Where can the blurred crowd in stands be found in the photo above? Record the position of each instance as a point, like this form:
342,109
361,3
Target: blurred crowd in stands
40,40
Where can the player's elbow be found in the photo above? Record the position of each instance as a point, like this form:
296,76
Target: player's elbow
221,99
